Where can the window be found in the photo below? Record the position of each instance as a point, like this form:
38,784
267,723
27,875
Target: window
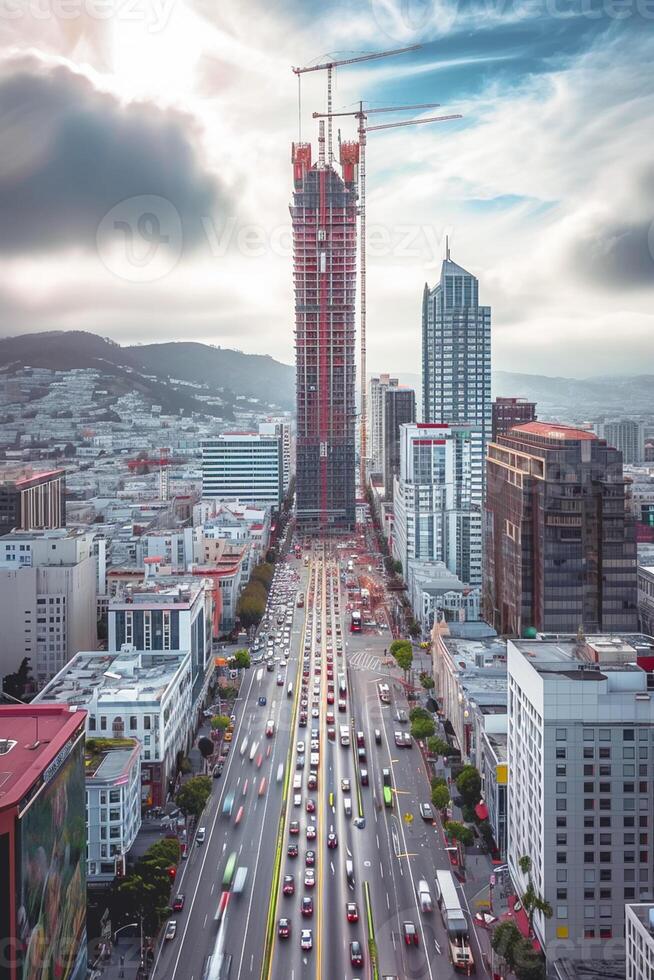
560,752
629,839
589,911
589,933
589,770
589,804
628,821
561,770
605,734
562,840
606,932
589,857
560,857
91,723
642,821
605,770
628,788
103,723
642,787
643,857
146,722
628,735
562,911
605,839
133,723
561,734
628,857
605,804
589,840
605,893
589,787
604,753
605,821
629,752
562,788
589,821
589,753
589,734
589,894
605,787
561,804
561,821
562,894
629,893
561,875
114,796
605,857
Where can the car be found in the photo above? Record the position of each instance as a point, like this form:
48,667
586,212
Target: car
361,755
217,770
306,939
315,713
307,907
310,806
352,912
331,733
302,721
312,781
410,933
345,784
364,777
356,953
342,705
294,827
330,697
201,835
401,716
292,850
299,762
178,902
297,799
171,929
228,736
310,859
311,832
332,841
426,811
288,887
378,737
300,747
263,700
270,728
329,718
284,928
309,878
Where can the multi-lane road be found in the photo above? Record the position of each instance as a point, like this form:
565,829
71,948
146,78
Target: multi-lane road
379,856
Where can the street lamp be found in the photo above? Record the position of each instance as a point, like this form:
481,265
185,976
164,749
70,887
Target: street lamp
130,925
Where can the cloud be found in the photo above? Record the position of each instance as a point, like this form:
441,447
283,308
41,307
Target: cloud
71,153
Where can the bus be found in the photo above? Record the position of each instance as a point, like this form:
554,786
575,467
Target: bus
384,692
455,922
355,621
387,787
229,870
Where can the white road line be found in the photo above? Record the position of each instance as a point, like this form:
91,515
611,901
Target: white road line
388,902
205,921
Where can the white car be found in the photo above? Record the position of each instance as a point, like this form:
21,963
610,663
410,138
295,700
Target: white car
306,939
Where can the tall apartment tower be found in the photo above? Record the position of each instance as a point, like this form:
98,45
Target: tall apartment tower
32,501
324,217
627,435
559,543
508,412
399,408
456,351
376,391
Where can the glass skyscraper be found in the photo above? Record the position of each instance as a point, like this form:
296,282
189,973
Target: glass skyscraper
456,351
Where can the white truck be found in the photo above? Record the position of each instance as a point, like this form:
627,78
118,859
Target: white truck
345,735
455,922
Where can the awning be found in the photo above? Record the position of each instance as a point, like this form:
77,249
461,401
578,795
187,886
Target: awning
482,811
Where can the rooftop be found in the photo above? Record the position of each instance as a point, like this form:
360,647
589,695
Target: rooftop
129,676
31,737
552,430
106,759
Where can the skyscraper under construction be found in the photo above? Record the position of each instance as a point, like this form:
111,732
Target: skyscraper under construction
324,215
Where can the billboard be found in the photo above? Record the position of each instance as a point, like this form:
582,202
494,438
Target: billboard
51,874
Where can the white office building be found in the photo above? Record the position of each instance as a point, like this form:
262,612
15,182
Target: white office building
113,806
639,938
377,389
580,755
282,429
437,498
133,694
243,466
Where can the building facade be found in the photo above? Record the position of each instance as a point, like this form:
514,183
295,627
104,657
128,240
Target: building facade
560,548
456,352
113,805
243,466
508,412
627,435
580,747
398,409
324,217
43,842
437,498
134,694
282,429
377,388
639,939
31,502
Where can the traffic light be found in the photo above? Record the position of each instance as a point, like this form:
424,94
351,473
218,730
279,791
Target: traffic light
172,872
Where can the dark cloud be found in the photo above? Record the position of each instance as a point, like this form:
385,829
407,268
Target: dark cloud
71,154
618,256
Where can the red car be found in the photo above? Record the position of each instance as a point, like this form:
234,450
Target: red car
178,903
352,912
284,928
410,934
330,697
311,806
307,907
289,885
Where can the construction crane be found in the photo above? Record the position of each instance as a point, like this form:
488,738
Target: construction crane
329,67
361,116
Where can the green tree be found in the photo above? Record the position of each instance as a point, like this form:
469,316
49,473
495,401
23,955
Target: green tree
263,573
437,746
468,783
527,963
438,781
228,692
250,608
220,722
399,646
193,795
417,713
241,660
504,940
404,659
532,901
17,683
427,682
397,567
459,831
415,628
440,797
422,728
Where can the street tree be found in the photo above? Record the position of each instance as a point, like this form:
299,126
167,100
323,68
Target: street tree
468,783
242,660
400,646
422,728
404,659
220,722
459,831
532,900
427,682
437,746
504,940
440,797
193,795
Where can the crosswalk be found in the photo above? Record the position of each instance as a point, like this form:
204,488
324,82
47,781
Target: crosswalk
363,661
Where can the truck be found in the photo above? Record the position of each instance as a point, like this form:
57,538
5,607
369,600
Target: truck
345,735
455,922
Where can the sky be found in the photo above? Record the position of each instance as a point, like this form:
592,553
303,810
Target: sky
145,170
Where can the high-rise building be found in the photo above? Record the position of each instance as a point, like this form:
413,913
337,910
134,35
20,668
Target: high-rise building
508,412
377,389
324,216
42,842
48,599
32,501
560,548
398,409
456,351
627,435
639,940
580,727
437,498
243,466
281,428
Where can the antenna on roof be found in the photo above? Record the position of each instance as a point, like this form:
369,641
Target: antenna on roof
447,248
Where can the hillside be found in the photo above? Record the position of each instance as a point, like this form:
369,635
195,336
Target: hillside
153,369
